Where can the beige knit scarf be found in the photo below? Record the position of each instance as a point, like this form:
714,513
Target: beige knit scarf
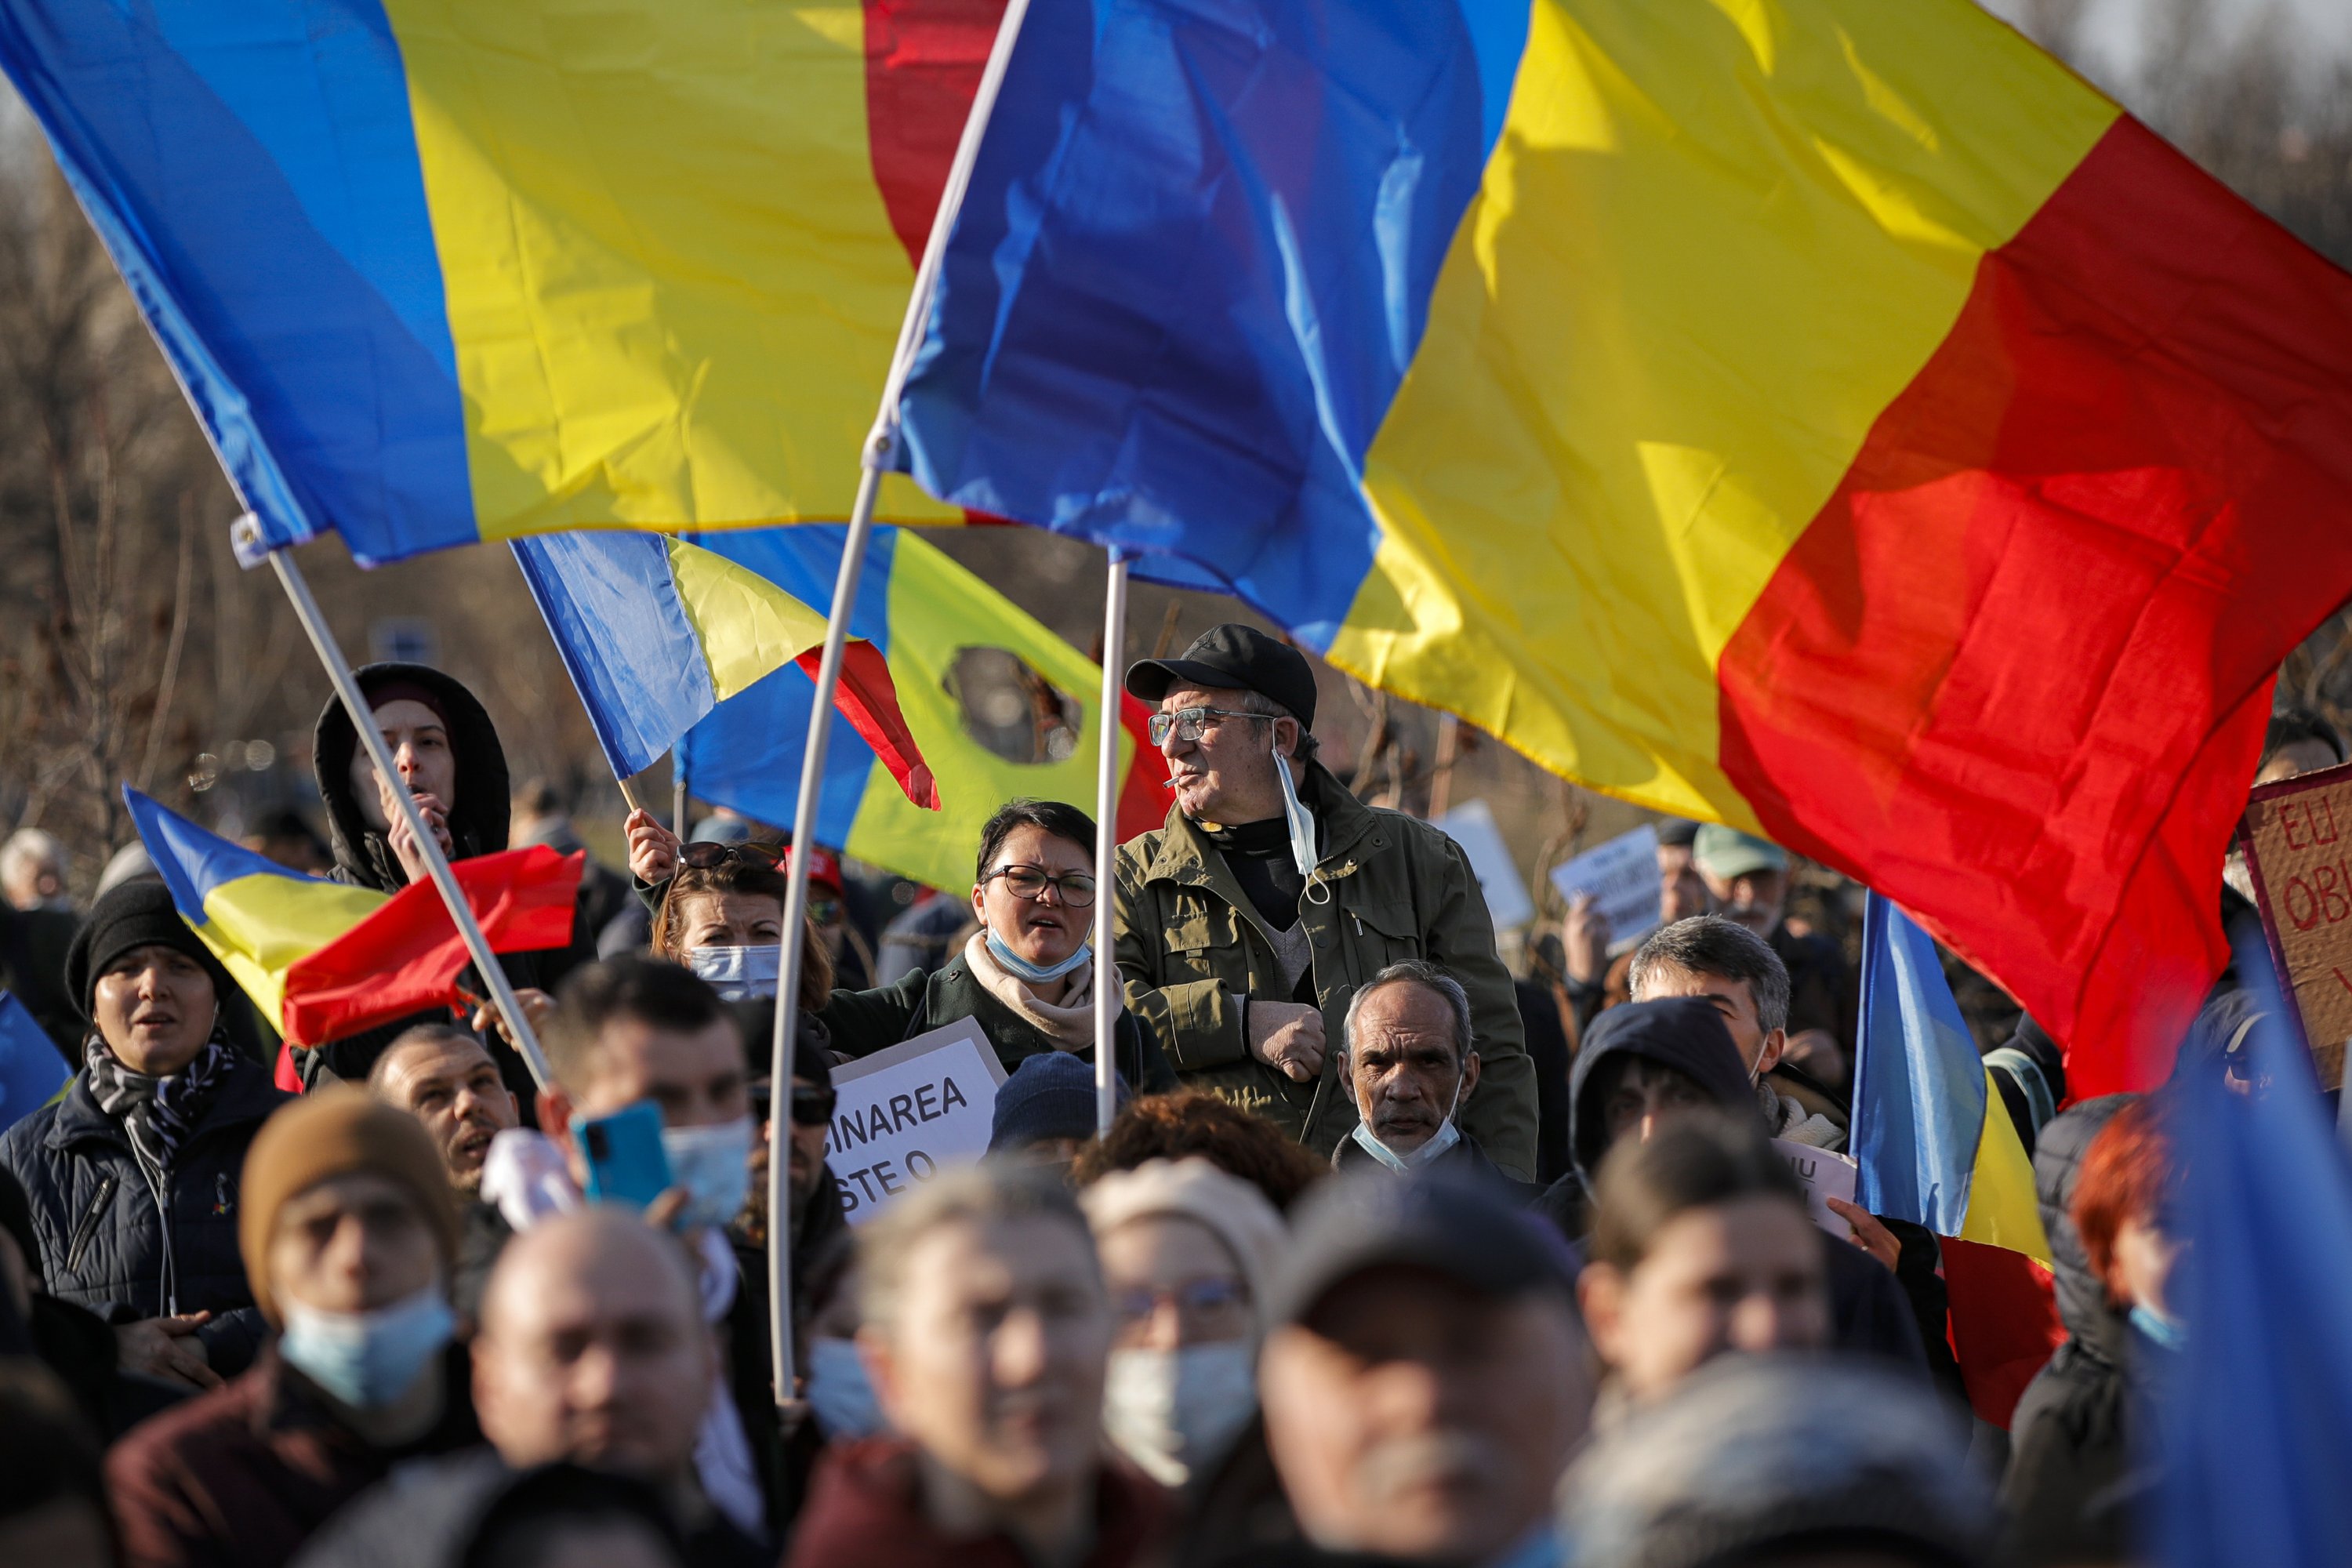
1069,1023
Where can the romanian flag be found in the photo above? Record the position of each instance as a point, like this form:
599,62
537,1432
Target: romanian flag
322,960
656,632
439,271
935,627
1829,417
1936,1147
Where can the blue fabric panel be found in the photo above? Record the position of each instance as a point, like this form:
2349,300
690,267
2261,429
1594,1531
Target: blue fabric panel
1192,267
2254,1417
194,862
251,167
746,754
612,609
1918,1088
31,1071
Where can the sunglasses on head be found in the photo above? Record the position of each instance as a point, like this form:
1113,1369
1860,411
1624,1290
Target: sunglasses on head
707,856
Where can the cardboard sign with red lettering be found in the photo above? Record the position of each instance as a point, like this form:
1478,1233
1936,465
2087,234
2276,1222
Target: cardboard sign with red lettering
904,1115
2298,839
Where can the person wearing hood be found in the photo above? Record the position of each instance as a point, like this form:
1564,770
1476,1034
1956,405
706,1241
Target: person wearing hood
133,1176
1646,1063
2068,1448
1188,1253
448,751
349,1232
1738,974
1409,1060
1026,977
1247,923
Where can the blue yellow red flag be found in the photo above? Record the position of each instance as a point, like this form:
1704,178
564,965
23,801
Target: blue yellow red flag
1829,417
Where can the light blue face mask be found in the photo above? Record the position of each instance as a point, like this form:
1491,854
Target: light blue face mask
738,973
367,1360
839,1392
2169,1333
1298,819
1038,974
1444,1138
714,1165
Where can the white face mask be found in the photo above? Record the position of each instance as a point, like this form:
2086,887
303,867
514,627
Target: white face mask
1444,1138
739,973
1174,1411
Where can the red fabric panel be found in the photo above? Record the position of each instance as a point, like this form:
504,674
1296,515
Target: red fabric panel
1142,795
923,65
868,698
406,956
2015,674
2004,1322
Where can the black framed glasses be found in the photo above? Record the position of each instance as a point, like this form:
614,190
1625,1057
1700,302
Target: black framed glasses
709,856
1076,888
1186,723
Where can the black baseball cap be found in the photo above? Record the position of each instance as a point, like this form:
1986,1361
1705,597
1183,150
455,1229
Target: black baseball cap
1232,656
1356,1222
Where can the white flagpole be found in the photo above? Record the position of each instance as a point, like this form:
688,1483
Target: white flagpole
339,671
881,448
1107,987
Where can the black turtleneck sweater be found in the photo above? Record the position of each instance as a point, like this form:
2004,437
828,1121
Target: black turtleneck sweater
1259,856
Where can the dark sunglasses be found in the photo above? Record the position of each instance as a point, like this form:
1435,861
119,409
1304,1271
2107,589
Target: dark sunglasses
707,856
813,1104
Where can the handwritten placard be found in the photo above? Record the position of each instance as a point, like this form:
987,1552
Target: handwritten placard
905,1114
1622,878
1825,1176
2297,837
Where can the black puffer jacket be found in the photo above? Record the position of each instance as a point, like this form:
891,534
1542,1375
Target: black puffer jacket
102,1243
478,820
2068,1448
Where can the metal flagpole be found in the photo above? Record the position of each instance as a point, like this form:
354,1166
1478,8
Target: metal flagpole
881,448
346,687
1106,991
678,790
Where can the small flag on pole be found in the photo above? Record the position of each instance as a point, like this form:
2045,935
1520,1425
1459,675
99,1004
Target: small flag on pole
31,1071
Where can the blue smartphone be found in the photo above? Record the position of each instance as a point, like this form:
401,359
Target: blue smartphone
626,1164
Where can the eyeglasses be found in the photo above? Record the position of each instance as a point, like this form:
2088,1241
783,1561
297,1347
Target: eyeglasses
1186,723
813,1104
1203,1306
1076,888
707,856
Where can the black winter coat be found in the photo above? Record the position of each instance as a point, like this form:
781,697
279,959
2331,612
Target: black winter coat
2070,1461
104,1246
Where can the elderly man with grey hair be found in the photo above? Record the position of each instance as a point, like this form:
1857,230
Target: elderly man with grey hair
1409,1060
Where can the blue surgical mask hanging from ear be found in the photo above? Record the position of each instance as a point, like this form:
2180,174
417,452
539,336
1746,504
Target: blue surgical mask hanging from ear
367,1360
1298,818
713,1163
738,973
1444,1138
1038,974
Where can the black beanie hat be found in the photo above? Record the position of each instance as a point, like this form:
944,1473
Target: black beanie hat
138,913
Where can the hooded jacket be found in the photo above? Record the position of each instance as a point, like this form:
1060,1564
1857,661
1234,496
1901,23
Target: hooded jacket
1868,1310
478,824
1193,951
2068,1437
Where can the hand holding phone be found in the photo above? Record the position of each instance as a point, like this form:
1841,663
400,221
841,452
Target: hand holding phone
626,1164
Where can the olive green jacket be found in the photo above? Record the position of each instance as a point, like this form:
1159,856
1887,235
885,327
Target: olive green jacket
1190,946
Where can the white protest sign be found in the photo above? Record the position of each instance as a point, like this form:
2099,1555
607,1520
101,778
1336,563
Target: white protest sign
1623,876
1825,1176
904,1115
1472,825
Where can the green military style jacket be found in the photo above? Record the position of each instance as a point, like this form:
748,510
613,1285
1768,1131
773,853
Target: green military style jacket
1190,944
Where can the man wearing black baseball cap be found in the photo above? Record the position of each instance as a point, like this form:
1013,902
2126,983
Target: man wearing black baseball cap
1248,921
1425,1375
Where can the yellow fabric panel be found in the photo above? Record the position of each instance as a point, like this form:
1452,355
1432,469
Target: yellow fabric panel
2002,1209
260,926
671,281
937,610
748,627
1713,243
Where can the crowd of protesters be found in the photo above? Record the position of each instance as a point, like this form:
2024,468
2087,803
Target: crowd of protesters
1387,1257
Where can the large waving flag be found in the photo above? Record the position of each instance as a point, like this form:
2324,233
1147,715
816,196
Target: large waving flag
1936,1147
323,959
919,613
434,271
2256,1414
1831,417
657,632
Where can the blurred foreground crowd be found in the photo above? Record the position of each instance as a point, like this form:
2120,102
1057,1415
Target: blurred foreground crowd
1388,1256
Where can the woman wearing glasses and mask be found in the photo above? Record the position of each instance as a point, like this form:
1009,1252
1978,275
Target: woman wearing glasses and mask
1026,977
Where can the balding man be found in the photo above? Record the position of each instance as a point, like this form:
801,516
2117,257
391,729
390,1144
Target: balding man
445,1078
1410,1061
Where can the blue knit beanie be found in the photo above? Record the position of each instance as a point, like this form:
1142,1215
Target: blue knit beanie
1049,1095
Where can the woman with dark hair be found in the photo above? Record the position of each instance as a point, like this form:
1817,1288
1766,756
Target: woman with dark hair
1026,977
1701,1247
132,1174
722,915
